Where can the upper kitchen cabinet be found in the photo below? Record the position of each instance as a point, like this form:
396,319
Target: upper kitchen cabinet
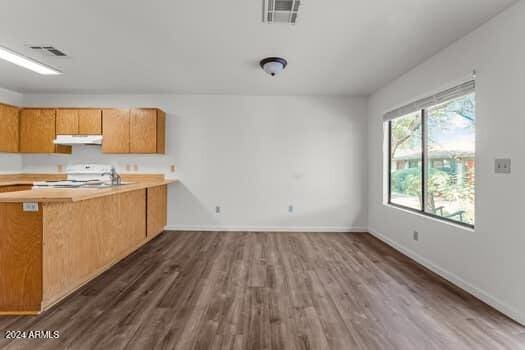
89,122
66,122
38,130
147,131
115,130
79,122
9,130
140,130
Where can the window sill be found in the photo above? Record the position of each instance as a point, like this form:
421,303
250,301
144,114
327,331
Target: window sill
432,218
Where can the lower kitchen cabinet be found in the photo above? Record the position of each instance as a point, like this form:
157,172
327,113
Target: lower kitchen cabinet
78,247
49,253
156,207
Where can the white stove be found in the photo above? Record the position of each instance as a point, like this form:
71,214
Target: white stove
81,175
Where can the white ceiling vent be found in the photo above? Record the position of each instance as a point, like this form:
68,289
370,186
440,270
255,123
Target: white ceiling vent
48,51
280,11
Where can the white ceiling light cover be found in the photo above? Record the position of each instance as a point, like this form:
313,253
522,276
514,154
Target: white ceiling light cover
26,62
273,65
273,68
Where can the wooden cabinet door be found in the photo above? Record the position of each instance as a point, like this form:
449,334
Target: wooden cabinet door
157,210
89,122
67,122
9,128
79,122
37,131
143,131
21,259
115,129
161,132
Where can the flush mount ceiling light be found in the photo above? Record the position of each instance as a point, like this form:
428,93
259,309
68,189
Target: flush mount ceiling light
25,62
273,65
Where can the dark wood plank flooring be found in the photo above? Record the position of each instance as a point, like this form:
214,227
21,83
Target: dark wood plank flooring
203,290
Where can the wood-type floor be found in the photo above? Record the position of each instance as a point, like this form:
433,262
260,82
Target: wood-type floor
216,290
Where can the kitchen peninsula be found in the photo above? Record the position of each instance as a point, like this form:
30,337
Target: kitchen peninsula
55,240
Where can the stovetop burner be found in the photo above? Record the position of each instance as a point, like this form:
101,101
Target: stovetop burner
79,175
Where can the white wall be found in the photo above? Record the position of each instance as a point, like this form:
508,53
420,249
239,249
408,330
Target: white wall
10,163
253,156
490,260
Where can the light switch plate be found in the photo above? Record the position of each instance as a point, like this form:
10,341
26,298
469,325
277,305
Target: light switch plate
30,206
502,166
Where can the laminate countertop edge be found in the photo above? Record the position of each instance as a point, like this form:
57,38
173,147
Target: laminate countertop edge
47,195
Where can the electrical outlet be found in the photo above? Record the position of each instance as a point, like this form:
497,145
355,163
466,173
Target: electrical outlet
135,167
30,206
172,168
128,168
290,208
60,168
218,209
416,236
502,166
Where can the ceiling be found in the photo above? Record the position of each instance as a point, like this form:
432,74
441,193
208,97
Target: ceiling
339,47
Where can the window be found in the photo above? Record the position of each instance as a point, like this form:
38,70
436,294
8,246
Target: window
405,148
432,156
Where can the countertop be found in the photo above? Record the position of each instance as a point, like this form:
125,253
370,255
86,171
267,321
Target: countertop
43,195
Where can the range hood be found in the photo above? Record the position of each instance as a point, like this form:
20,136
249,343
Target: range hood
78,140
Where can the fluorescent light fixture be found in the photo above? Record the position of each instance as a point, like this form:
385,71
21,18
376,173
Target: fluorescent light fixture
28,63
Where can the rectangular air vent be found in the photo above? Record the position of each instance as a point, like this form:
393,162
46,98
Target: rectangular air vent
280,11
49,51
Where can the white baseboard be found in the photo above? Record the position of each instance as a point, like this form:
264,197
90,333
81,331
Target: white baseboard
454,279
267,229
